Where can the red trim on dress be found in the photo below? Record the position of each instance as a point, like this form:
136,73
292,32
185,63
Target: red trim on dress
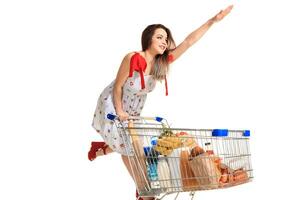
139,64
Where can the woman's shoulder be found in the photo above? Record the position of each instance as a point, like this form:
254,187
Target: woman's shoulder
130,55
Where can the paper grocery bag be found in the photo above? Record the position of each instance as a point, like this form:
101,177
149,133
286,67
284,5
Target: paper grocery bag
205,171
188,179
138,161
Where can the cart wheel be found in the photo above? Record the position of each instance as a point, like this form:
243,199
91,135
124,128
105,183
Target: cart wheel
192,194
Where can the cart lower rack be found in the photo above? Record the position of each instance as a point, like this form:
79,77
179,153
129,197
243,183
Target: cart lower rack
166,160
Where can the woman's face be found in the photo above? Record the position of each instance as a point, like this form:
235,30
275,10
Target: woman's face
159,41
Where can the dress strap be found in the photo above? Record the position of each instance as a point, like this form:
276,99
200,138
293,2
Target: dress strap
170,59
166,85
138,63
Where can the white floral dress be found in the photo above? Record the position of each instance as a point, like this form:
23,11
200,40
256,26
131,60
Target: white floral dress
135,92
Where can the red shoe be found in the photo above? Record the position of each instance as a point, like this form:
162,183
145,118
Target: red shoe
95,146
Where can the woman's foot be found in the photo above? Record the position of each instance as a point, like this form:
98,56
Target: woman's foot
97,149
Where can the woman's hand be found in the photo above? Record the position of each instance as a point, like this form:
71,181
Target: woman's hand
222,14
123,115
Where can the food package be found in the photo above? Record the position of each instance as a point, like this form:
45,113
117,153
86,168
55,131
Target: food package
205,170
232,177
240,175
166,144
188,179
186,139
163,150
196,151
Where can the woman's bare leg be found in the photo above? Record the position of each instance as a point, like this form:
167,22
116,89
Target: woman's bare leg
137,176
100,152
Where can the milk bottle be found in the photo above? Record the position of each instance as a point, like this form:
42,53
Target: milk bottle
174,166
164,174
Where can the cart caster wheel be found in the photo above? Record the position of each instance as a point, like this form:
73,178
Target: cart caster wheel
192,194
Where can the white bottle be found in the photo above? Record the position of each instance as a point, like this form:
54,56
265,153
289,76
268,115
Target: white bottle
164,174
174,166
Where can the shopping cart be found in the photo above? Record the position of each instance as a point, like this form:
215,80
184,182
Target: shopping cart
165,160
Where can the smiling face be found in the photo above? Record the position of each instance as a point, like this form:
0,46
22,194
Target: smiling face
159,41
157,38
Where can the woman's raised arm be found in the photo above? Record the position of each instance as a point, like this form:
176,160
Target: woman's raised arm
193,37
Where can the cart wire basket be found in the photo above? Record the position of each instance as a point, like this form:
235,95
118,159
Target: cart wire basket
165,160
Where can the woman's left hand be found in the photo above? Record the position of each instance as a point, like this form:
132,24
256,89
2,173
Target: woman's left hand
222,14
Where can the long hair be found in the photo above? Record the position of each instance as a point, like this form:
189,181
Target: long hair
161,62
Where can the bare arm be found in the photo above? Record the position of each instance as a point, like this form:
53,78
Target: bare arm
193,37
118,86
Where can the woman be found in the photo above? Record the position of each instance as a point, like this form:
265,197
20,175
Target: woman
136,77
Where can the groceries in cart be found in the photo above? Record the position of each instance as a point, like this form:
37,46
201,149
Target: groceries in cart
168,160
168,141
176,161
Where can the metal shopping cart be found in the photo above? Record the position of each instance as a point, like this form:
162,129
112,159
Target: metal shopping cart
165,160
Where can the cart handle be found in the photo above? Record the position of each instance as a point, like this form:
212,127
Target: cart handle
113,117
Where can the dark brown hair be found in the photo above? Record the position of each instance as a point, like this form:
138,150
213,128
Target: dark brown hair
161,64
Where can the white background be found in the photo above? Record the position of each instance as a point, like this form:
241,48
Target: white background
57,56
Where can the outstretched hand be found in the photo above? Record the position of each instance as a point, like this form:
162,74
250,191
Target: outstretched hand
218,17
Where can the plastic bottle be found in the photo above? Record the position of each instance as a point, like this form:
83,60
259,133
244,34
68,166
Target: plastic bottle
174,166
154,140
153,176
164,174
151,162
